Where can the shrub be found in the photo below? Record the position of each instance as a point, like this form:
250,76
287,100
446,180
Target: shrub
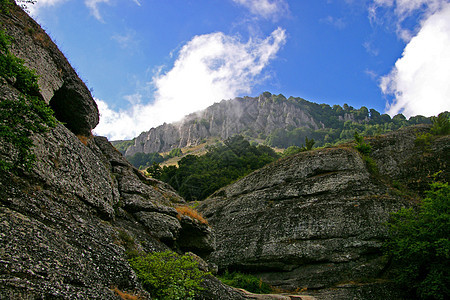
362,146
167,275
192,213
423,140
419,245
245,281
441,124
21,118
365,149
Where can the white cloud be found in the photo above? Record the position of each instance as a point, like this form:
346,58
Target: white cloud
420,79
403,9
34,8
268,9
93,7
127,40
208,69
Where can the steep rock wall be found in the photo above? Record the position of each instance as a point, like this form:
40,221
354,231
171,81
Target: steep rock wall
315,220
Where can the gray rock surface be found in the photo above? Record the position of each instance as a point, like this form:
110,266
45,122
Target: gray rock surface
315,220
68,225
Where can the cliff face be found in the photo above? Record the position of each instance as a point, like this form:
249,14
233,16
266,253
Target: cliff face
314,220
222,120
59,84
67,224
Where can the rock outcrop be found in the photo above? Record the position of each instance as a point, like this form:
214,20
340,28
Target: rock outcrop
68,224
59,84
314,220
260,115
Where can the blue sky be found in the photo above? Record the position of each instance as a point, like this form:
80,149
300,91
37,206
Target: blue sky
154,61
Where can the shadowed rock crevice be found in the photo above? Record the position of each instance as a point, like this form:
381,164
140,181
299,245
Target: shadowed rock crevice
66,105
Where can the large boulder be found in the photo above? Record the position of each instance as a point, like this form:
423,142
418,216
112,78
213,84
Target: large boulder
315,220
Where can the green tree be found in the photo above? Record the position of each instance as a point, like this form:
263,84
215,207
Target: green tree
154,170
291,150
309,143
175,152
419,245
441,124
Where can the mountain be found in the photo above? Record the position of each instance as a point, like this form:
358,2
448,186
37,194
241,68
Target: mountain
271,119
258,115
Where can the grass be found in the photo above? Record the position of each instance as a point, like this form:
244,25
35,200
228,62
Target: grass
125,295
247,282
192,213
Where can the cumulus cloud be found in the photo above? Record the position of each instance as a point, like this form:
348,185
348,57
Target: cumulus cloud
267,9
209,68
419,82
402,10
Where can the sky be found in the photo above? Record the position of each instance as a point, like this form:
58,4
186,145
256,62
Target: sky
153,61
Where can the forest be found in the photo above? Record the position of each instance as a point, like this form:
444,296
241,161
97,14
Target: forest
197,177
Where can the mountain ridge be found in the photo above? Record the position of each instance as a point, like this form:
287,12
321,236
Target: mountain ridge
274,119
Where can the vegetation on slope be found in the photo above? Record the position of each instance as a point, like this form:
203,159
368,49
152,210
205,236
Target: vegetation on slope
21,118
167,275
419,245
339,124
247,282
197,177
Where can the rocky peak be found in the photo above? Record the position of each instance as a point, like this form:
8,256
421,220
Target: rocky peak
259,115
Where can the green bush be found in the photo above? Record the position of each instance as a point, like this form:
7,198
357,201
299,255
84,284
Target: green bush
441,124
361,146
167,275
245,281
21,118
174,153
419,245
